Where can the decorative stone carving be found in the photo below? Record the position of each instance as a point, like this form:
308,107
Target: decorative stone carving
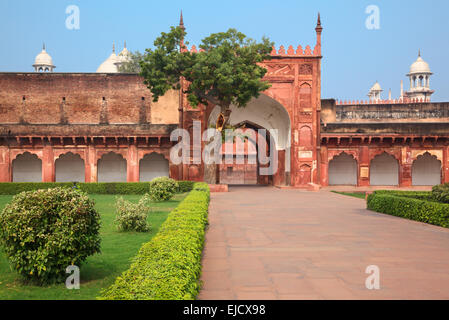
305,69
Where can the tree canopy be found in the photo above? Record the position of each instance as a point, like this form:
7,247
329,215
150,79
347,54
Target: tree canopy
225,71
133,64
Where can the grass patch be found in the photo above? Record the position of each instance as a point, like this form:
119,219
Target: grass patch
99,271
360,195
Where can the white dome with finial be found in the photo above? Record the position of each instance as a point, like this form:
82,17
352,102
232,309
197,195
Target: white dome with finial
376,87
43,61
123,56
420,66
109,65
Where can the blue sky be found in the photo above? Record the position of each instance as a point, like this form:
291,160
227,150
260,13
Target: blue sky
354,57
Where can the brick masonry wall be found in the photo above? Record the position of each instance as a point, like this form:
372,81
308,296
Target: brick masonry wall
81,98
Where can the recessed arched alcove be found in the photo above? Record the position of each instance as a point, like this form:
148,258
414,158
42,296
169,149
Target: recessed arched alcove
343,170
426,170
27,167
152,166
384,170
112,168
69,167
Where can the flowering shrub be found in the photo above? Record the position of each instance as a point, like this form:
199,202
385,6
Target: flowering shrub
132,217
45,231
162,189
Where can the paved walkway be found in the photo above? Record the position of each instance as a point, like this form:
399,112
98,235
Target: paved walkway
266,243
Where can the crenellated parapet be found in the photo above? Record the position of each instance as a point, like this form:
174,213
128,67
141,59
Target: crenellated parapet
369,102
291,51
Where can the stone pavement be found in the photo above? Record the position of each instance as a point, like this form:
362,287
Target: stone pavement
266,243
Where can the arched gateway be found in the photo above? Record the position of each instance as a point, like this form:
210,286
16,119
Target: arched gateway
291,107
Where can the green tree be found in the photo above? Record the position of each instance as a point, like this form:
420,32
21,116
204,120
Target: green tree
224,72
132,65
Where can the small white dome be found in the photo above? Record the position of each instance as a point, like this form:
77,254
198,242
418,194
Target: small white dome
109,65
376,87
420,67
43,59
123,57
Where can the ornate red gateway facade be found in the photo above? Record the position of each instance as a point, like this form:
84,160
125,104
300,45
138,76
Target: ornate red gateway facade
104,127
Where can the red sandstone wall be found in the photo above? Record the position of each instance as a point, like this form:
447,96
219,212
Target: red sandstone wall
84,103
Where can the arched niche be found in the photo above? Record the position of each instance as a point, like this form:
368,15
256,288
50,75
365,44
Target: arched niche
343,170
112,168
27,167
426,170
305,175
69,167
384,170
152,166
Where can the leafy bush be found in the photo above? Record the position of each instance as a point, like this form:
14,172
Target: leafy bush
12,188
131,216
441,193
410,208
162,189
45,231
169,266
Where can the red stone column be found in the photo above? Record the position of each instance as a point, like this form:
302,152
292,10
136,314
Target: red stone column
5,165
91,165
48,164
405,168
279,177
133,164
174,172
446,164
364,167
324,163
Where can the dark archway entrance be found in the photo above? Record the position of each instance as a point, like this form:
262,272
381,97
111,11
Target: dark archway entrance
261,113
240,159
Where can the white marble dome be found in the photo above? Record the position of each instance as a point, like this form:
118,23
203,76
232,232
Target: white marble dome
110,64
420,67
43,58
43,61
376,87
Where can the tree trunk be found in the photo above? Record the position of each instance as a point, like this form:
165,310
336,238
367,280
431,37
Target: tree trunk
212,171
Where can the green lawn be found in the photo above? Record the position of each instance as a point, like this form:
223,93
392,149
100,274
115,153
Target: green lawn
99,271
360,195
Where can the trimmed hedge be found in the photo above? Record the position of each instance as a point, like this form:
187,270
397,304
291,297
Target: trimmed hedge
169,266
421,195
12,188
411,208
441,193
